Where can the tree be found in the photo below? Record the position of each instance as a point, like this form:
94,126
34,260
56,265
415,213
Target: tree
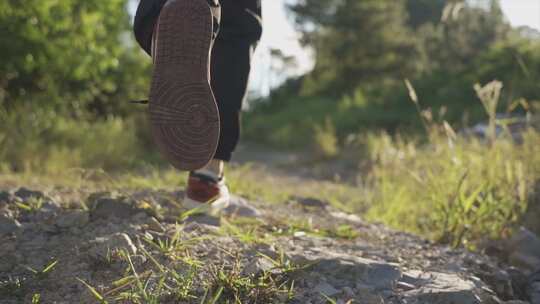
355,42
71,56
465,33
424,12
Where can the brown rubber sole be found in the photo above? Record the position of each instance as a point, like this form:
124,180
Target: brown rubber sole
184,117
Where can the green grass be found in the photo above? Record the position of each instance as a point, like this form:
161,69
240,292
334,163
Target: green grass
454,189
446,187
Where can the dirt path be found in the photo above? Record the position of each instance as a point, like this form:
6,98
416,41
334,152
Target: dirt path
138,247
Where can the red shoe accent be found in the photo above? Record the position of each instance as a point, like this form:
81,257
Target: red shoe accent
202,190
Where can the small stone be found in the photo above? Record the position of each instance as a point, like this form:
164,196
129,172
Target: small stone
111,207
310,202
103,247
348,292
347,217
326,289
299,234
154,224
241,207
8,225
259,265
75,218
25,194
140,217
405,286
524,249
7,197
533,288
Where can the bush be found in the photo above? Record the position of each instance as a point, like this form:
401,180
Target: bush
41,141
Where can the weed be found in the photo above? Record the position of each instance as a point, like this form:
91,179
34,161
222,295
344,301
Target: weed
13,286
33,204
100,298
234,287
246,231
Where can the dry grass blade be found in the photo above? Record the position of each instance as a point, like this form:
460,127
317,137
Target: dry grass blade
94,292
412,91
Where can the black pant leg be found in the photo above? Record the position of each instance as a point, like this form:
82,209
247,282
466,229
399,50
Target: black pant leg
240,30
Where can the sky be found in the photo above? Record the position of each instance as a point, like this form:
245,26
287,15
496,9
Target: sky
279,33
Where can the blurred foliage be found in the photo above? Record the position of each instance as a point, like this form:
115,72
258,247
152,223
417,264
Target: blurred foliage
44,142
365,49
355,42
71,56
456,191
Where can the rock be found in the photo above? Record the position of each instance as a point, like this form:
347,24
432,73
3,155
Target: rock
240,207
347,217
405,286
383,276
25,194
8,225
310,202
8,197
74,218
103,247
348,292
204,219
155,225
377,275
519,282
7,263
259,265
500,281
106,207
50,207
440,288
524,247
325,289
533,288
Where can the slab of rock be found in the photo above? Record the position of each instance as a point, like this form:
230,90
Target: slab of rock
73,218
8,225
440,288
102,247
342,269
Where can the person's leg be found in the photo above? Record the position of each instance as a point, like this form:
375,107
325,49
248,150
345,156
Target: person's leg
240,30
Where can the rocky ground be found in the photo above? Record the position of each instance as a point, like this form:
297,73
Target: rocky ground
71,246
